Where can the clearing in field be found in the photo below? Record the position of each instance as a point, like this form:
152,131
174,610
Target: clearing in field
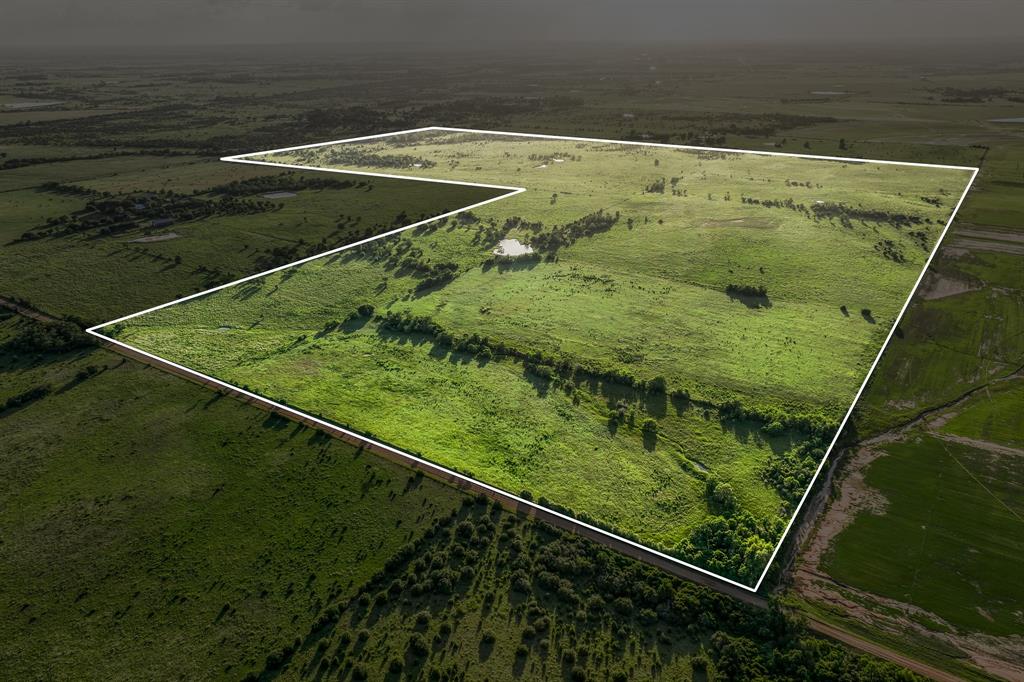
661,342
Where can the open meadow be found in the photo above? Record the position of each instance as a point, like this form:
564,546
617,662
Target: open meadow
667,353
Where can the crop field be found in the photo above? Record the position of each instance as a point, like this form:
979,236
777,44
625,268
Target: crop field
658,341
948,547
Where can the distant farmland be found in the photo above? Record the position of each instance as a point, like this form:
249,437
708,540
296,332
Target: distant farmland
667,354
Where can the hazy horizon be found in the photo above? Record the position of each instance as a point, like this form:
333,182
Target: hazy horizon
452,24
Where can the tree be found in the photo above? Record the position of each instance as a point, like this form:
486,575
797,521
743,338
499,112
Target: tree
724,495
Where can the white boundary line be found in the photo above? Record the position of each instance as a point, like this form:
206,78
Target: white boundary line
244,158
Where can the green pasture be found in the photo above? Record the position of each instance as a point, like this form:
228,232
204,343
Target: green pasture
151,529
645,296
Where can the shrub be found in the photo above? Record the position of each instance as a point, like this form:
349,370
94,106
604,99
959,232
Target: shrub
418,645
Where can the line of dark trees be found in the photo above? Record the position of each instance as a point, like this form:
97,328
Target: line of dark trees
351,156
110,214
790,472
565,235
50,337
283,182
775,422
538,363
758,290
844,213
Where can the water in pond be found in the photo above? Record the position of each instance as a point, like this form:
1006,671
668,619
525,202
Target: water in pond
512,247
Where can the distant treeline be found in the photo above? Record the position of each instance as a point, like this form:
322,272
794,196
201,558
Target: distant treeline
284,182
110,214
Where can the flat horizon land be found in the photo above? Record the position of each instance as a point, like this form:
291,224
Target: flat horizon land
668,357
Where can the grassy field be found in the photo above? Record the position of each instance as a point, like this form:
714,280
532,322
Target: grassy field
153,530
992,416
963,332
666,336
142,263
160,122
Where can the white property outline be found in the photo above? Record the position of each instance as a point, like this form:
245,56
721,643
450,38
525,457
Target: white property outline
511,191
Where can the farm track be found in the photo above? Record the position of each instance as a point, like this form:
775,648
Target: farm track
26,311
879,651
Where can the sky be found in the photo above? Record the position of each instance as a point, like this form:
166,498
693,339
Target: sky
481,23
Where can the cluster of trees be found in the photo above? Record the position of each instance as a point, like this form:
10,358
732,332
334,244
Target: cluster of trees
548,158
565,235
516,222
26,397
757,290
110,214
777,421
920,237
569,598
891,250
736,545
437,275
50,337
789,472
720,496
656,187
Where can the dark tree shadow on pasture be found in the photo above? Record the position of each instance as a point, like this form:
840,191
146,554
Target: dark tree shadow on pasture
751,301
